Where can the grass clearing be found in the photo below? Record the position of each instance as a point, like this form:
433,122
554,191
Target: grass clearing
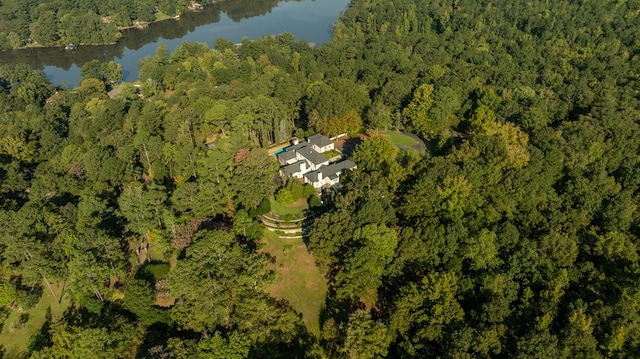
161,16
296,209
331,154
298,280
15,338
400,139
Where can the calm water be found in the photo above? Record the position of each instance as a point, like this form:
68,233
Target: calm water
234,19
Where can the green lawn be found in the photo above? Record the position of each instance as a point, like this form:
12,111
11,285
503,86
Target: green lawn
161,16
400,139
15,338
296,209
330,154
298,279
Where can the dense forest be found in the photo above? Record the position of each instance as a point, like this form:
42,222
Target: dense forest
513,236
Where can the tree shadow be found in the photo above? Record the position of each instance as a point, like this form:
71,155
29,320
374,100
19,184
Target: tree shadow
298,347
155,341
348,145
42,338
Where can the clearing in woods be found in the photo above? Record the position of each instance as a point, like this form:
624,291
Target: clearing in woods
298,279
16,332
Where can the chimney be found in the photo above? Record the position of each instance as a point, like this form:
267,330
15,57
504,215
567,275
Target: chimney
319,176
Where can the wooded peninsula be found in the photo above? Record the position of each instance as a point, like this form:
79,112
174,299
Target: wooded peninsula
493,212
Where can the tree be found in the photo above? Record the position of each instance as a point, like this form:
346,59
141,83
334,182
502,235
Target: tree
74,336
45,30
236,347
139,298
416,114
142,207
424,311
365,338
8,294
375,153
219,269
284,197
107,72
379,116
254,178
374,249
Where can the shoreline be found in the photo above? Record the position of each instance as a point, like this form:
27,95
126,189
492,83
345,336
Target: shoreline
120,30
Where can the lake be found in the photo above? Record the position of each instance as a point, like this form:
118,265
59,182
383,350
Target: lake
311,21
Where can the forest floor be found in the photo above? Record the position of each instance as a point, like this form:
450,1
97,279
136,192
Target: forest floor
14,336
298,279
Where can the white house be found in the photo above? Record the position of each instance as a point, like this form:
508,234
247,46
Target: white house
304,160
320,143
328,175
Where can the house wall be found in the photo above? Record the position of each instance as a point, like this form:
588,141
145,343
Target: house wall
323,149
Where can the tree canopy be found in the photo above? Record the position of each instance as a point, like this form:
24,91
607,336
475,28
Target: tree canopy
514,235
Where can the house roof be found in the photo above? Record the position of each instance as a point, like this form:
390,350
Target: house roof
319,140
297,147
336,168
286,156
332,171
312,155
311,176
293,168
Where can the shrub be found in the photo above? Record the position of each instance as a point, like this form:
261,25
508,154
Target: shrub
29,298
308,191
314,202
284,197
264,207
8,294
296,188
159,270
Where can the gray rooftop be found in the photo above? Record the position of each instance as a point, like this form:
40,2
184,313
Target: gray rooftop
337,168
293,168
332,171
300,145
286,156
311,176
319,140
312,155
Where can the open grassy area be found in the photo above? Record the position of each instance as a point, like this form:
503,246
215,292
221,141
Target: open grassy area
331,154
298,280
15,337
400,139
296,209
161,16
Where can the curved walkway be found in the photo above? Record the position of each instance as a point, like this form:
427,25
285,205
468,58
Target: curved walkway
282,220
291,229
419,146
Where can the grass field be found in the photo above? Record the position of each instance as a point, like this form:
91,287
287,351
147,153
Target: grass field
15,337
296,209
298,280
400,139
